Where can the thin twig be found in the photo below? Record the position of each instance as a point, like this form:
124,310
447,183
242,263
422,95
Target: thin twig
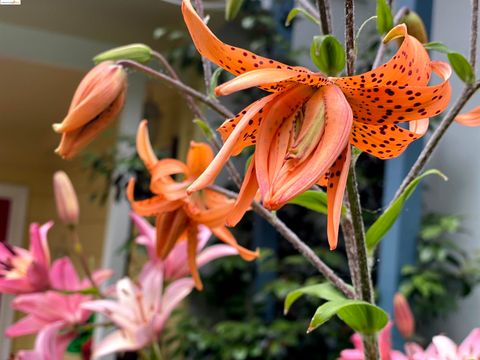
297,243
474,34
207,66
219,108
325,16
381,49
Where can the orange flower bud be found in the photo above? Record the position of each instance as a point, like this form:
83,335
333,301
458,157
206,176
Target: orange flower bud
65,198
97,102
403,316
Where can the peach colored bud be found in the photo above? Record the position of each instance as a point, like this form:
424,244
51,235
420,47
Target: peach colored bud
95,105
65,198
403,316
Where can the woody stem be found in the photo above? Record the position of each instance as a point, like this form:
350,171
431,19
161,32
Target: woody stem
354,219
325,16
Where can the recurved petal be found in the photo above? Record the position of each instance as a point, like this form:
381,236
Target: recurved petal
470,347
199,156
212,217
409,66
394,104
470,118
27,325
192,242
226,236
226,151
162,182
232,59
117,341
63,275
245,197
144,147
337,180
152,206
386,141
39,243
143,226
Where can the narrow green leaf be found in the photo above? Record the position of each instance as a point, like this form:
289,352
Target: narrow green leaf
437,46
361,316
462,67
381,226
327,54
312,200
135,52
360,29
204,127
384,17
323,291
214,81
232,8
295,11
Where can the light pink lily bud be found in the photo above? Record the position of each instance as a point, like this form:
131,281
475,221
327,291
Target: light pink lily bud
96,104
65,198
403,316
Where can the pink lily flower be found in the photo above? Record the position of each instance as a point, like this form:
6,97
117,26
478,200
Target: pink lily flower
385,344
49,345
140,312
25,271
47,308
443,348
175,265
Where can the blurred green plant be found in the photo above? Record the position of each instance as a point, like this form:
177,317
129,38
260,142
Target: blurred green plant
444,273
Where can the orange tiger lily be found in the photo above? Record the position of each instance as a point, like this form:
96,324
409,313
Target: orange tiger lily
96,104
301,130
178,214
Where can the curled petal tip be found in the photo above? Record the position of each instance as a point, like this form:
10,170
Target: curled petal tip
398,31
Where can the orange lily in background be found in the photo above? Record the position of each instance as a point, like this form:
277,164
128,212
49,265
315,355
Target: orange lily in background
177,213
301,130
96,104
470,118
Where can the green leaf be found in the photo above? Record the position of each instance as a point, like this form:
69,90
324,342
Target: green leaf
381,226
437,46
327,54
384,17
232,8
295,11
135,52
214,81
360,29
361,316
204,127
323,291
462,67
312,200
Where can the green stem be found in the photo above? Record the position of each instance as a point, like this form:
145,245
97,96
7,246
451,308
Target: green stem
157,352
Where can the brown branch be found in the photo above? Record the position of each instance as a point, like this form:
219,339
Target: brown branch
474,34
297,243
325,16
350,36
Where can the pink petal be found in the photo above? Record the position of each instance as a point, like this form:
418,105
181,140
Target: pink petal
115,342
351,354
27,325
39,243
152,286
446,348
15,286
215,252
63,275
143,226
470,347
99,276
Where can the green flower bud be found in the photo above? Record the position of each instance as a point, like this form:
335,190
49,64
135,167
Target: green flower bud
136,52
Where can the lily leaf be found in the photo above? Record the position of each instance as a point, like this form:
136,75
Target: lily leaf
381,226
312,200
384,17
204,127
214,82
295,11
462,67
328,54
437,46
323,291
232,8
361,316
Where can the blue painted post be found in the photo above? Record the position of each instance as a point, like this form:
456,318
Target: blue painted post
398,248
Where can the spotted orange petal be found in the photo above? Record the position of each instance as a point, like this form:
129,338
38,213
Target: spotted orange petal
337,180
